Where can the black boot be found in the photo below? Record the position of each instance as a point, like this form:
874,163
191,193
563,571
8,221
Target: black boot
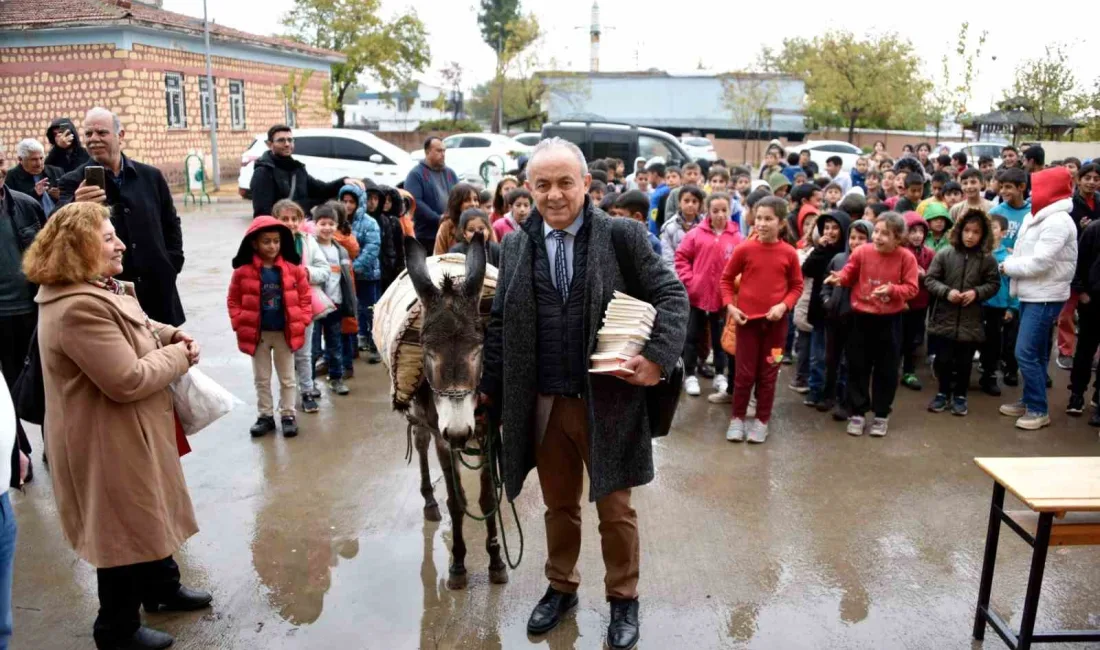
547,614
144,639
624,630
184,600
265,424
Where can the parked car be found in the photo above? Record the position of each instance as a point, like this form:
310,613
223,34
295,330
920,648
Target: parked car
329,154
973,151
530,139
623,141
699,147
822,150
466,152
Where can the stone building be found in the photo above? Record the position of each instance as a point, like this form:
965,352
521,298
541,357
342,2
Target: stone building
59,58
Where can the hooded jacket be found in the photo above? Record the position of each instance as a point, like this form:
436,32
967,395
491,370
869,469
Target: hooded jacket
244,289
938,211
1082,210
815,268
67,159
1043,262
837,300
1086,279
283,177
700,260
673,232
367,264
391,252
924,256
962,269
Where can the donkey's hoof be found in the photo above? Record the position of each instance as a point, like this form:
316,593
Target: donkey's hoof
498,576
456,579
431,513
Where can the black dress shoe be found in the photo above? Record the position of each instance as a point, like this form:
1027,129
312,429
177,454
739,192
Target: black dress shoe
184,600
548,612
623,632
290,426
144,639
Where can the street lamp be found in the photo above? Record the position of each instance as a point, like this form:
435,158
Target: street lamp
500,72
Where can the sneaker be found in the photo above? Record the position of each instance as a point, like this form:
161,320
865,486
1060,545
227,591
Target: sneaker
720,398
338,386
1096,398
314,394
691,386
758,431
364,344
1094,419
799,386
1065,362
938,403
855,425
1033,421
826,405
265,424
309,405
373,357
750,412
840,413
911,382
879,426
1012,379
989,386
1076,405
721,384
290,426
787,360
1014,410
958,406
736,432
812,399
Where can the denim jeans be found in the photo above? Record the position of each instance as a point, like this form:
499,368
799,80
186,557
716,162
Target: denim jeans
7,566
1033,351
817,361
329,328
368,292
350,349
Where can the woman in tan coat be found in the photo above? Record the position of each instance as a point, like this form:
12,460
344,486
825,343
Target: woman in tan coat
117,479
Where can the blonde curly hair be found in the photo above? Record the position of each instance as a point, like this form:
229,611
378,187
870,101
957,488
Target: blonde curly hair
69,249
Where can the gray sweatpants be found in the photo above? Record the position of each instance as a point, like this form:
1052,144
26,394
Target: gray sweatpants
303,363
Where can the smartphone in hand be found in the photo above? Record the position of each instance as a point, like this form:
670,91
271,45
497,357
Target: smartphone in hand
95,175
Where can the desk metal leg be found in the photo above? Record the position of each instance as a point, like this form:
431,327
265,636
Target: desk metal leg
1035,580
992,536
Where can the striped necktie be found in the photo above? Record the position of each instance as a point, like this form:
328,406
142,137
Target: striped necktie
561,266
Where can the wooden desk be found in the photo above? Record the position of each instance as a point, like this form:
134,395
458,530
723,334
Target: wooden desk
1050,487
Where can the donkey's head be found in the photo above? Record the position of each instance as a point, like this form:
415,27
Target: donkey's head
451,337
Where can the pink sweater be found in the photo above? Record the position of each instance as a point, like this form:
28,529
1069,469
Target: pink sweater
868,269
700,259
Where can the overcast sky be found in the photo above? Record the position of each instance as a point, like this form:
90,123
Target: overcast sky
724,36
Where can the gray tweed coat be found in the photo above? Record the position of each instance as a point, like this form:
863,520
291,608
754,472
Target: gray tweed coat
621,455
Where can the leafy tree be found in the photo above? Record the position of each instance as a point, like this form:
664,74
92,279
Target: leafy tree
492,13
452,76
390,50
1044,87
749,97
950,96
853,82
464,125
292,93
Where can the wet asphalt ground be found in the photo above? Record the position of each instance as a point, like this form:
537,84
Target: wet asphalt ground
812,540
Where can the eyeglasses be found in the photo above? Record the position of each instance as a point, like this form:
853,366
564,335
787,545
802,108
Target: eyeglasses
283,140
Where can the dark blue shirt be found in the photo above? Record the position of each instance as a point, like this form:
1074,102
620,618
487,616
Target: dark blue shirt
272,316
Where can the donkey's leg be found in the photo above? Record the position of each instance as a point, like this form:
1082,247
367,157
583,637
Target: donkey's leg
498,573
431,508
456,577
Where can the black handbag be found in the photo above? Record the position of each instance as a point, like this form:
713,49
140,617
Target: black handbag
29,392
662,399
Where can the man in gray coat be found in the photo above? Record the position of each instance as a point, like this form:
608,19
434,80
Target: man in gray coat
557,274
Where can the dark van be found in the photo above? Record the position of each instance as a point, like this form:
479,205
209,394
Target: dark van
623,141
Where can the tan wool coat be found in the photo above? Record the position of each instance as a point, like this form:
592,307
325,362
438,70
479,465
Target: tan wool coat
110,429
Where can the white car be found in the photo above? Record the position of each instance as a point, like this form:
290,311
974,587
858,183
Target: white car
699,147
529,139
329,154
973,151
822,150
466,152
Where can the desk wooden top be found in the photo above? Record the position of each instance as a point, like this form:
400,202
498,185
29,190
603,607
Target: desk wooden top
1049,484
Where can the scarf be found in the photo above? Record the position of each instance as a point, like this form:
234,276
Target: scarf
112,285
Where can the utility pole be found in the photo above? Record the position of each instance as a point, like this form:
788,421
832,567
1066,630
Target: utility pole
211,103
500,72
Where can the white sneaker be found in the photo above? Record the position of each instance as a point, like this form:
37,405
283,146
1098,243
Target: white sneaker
736,432
758,431
721,384
691,386
855,425
719,398
750,412
879,427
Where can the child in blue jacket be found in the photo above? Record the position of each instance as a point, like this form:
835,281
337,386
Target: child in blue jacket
1000,315
367,265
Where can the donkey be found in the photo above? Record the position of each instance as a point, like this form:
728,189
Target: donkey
443,407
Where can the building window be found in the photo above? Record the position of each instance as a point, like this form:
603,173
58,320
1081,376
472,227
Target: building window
424,103
291,114
173,100
204,101
236,104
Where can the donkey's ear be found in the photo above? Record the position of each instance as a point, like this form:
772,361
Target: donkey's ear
416,262
475,265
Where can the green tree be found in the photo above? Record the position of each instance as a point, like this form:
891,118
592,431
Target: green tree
296,83
853,82
1044,87
493,20
389,50
447,124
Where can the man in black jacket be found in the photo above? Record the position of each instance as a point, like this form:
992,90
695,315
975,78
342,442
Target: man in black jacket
276,176
143,214
33,177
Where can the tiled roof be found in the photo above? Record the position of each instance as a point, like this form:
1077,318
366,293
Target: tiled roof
41,14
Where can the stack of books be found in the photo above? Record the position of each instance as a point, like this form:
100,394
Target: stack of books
627,325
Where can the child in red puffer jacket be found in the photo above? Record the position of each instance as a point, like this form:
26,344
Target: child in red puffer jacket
270,305
700,260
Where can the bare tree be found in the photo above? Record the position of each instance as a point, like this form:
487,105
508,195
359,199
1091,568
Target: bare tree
749,98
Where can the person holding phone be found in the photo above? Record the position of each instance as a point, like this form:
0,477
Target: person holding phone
33,177
142,211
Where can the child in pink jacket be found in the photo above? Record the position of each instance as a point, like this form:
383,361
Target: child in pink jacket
700,259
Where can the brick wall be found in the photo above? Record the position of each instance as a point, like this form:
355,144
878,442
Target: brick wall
40,84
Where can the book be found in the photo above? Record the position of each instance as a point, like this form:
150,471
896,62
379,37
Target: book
627,326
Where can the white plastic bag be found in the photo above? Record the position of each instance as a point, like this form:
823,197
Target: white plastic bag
199,401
